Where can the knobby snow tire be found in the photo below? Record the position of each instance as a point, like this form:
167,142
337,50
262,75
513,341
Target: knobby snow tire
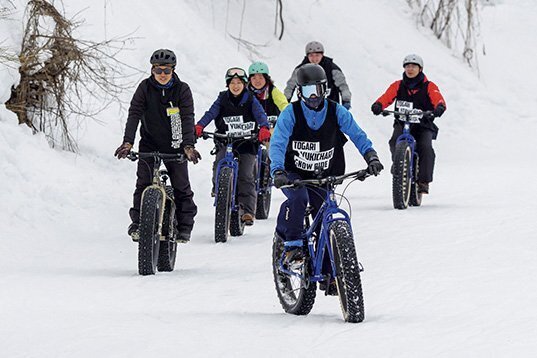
265,194
415,195
299,300
401,180
149,242
236,225
168,247
348,281
223,205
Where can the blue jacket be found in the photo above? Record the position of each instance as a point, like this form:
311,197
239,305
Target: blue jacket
257,111
286,122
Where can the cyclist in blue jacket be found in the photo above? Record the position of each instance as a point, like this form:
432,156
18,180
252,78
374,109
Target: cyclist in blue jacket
308,142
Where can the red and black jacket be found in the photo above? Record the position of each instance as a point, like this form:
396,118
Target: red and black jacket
424,95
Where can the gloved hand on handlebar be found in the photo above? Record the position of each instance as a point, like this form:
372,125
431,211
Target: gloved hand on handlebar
280,178
374,166
428,116
264,135
439,110
199,130
376,108
123,150
192,155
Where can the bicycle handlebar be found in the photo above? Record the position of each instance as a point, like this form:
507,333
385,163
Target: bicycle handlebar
164,156
407,116
359,174
206,135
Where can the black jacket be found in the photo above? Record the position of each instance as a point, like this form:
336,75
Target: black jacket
163,129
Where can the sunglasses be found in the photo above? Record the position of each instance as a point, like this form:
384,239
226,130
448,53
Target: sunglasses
158,70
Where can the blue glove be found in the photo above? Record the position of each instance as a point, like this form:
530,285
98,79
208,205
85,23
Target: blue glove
347,105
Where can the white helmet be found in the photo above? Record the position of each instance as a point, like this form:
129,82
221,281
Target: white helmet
314,46
413,58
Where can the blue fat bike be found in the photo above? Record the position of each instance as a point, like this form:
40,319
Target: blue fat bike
157,233
227,209
406,161
328,236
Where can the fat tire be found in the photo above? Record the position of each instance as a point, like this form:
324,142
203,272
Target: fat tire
348,281
401,180
223,205
168,247
299,301
149,242
236,225
415,195
264,196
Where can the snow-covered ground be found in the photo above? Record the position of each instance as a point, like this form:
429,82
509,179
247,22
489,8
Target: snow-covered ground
453,278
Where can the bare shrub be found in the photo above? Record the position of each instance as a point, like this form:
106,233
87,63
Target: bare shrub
63,78
454,22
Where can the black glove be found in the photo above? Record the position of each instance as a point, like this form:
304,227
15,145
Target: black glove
374,166
123,150
346,104
192,154
376,108
280,178
427,116
439,110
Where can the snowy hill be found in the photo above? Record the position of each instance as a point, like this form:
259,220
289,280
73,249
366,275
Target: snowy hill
451,278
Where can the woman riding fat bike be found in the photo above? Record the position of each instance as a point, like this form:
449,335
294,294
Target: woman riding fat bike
237,112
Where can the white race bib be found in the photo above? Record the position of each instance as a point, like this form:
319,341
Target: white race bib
237,126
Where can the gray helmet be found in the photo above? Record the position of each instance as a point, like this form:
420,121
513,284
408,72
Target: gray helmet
310,74
163,57
314,46
413,58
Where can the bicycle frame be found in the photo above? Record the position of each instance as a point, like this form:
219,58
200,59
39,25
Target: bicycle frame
405,117
409,138
328,213
158,182
324,217
228,161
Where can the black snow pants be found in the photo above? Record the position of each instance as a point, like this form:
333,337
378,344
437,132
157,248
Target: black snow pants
185,208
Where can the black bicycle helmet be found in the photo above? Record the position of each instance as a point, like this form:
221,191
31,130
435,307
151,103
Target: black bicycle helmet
163,57
312,84
310,74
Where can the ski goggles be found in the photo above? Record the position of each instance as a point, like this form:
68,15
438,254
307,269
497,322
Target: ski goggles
310,90
236,72
158,70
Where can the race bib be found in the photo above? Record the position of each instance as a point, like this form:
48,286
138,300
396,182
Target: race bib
272,119
310,158
404,106
237,126
177,126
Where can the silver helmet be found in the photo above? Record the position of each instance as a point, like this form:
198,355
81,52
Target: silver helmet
413,58
314,46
